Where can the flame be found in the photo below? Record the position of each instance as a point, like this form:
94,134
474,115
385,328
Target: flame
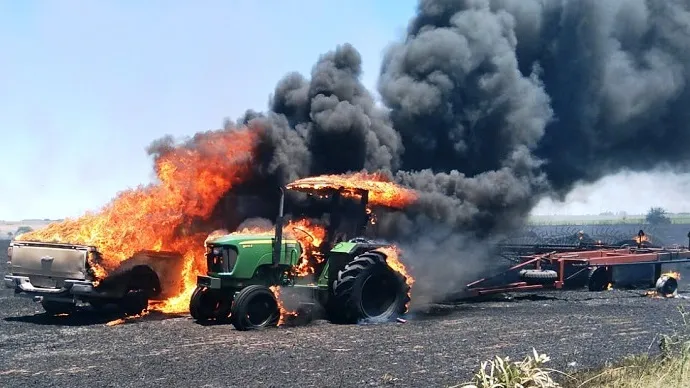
167,215
310,236
640,240
120,321
609,287
371,215
382,191
672,274
284,313
393,254
655,294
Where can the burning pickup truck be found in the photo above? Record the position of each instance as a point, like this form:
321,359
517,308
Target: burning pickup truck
64,276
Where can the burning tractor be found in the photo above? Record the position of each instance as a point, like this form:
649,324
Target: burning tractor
353,278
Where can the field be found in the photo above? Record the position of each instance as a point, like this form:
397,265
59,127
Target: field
632,219
440,346
665,235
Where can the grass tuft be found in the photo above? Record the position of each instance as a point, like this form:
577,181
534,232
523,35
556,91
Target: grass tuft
503,373
669,368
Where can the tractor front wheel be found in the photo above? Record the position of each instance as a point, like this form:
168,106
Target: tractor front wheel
255,307
206,304
368,289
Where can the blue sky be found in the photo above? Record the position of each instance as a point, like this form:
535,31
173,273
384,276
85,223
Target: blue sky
85,86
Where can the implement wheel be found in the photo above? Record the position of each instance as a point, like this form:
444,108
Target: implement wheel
598,279
368,289
536,276
255,307
206,304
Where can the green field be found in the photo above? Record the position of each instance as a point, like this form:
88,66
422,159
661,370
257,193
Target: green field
632,219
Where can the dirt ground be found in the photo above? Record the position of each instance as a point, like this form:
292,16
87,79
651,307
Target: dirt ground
433,349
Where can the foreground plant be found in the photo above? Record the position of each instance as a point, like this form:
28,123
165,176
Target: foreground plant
503,373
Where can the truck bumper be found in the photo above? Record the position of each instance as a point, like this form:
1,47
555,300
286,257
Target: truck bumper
22,285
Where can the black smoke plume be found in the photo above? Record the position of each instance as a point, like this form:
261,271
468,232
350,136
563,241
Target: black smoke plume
489,105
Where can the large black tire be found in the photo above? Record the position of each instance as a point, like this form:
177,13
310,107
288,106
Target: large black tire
55,308
368,289
206,304
598,279
255,307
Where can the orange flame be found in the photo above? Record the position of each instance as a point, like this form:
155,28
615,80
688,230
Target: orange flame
168,215
672,274
393,254
310,236
655,294
120,321
642,239
284,313
382,191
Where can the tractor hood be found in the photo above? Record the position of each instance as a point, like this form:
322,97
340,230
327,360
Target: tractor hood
233,239
237,239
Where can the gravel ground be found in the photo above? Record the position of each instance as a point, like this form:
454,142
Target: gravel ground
438,348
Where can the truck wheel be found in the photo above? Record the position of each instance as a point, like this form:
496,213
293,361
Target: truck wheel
255,307
367,288
134,302
55,308
206,304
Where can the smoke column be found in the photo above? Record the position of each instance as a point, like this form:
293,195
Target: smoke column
490,105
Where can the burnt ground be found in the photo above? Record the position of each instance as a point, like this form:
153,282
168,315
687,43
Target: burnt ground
442,347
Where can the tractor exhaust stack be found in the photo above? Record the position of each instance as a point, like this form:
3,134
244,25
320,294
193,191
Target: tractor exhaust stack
278,239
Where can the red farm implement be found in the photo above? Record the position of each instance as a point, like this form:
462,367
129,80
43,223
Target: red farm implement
557,267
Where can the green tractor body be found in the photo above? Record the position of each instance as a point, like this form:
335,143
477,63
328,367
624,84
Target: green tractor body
351,284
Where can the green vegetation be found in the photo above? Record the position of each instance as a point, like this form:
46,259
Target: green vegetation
655,216
669,368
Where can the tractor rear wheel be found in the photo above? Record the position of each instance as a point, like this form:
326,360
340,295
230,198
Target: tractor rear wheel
368,289
205,304
255,307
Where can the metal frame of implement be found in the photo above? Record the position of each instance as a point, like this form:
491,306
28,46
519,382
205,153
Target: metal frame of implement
586,260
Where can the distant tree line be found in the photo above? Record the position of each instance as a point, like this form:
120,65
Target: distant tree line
657,216
20,230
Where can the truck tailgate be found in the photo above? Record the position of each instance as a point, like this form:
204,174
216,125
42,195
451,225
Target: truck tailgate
47,265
